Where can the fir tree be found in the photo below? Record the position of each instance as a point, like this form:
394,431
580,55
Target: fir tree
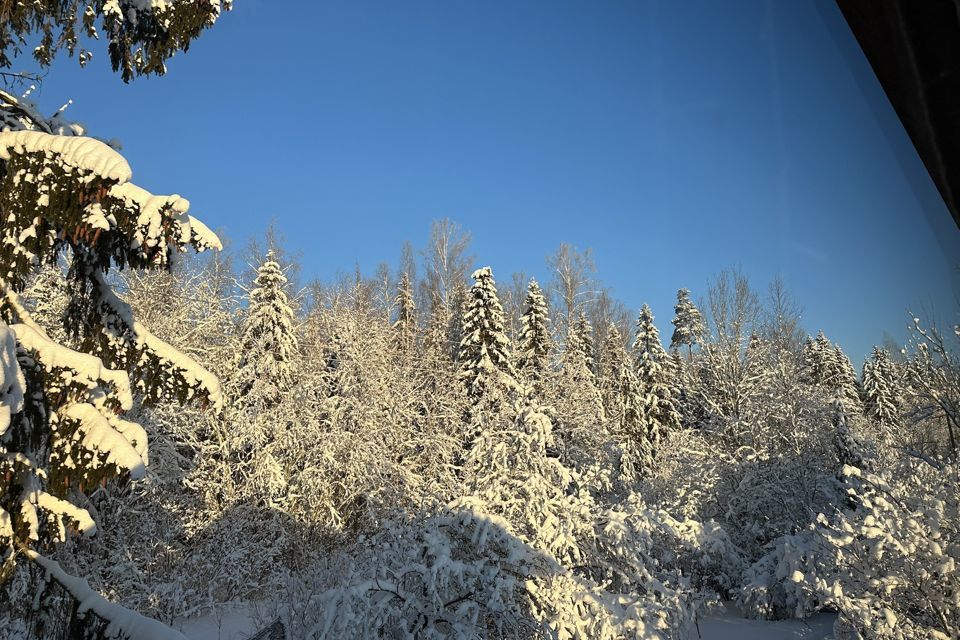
141,36
533,348
486,371
654,377
850,450
688,322
61,430
612,359
405,325
584,331
881,395
268,344
818,365
847,387
639,437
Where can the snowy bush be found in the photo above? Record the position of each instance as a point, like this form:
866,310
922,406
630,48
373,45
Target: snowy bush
889,565
774,586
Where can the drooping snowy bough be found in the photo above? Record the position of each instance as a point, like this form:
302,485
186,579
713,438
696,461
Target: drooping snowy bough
68,201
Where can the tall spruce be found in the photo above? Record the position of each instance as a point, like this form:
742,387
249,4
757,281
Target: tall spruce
61,427
655,378
689,327
847,386
486,371
533,348
818,365
612,357
405,325
880,391
267,344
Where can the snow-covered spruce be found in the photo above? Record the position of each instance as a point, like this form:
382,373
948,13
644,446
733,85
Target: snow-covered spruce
881,395
655,380
406,323
689,328
267,346
69,197
486,368
140,35
533,347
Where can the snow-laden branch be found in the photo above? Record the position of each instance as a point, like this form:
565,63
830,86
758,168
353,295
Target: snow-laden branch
122,623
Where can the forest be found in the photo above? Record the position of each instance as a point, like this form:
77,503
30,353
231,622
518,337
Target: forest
423,452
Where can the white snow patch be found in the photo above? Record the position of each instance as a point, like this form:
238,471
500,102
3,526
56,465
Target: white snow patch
76,151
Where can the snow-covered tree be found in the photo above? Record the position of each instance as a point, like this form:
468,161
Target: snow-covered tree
819,364
578,350
436,339
847,387
63,432
638,436
534,345
140,36
689,327
933,377
612,357
889,563
405,325
267,344
655,378
486,369
881,392
577,400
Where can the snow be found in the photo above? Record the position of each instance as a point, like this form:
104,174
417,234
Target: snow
77,151
237,622
98,435
122,622
194,375
53,504
77,367
11,378
150,221
6,524
727,625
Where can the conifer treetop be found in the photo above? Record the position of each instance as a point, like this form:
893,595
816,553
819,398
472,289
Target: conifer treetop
484,356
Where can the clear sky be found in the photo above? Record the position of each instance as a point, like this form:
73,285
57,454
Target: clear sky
674,138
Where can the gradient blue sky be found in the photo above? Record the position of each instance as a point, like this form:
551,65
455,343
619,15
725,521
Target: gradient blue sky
674,138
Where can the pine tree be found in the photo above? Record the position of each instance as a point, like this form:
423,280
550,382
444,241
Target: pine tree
881,395
654,377
573,393
267,344
584,331
847,387
688,322
405,325
818,364
850,450
141,36
639,437
533,348
612,359
61,430
486,371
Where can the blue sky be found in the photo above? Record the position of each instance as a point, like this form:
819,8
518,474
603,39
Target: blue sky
675,139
